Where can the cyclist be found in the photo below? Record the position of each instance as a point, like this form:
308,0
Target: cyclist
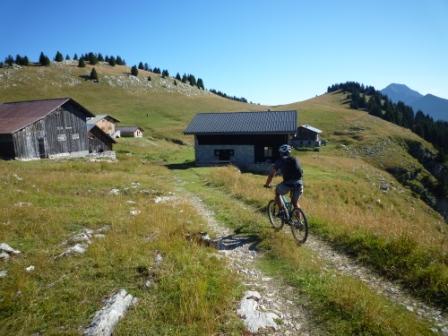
292,176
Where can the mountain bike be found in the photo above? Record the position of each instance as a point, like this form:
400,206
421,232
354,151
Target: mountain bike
295,218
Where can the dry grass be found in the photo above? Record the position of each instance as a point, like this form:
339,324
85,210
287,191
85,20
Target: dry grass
193,294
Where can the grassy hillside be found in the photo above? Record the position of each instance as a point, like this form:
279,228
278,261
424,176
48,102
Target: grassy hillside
45,202
159,106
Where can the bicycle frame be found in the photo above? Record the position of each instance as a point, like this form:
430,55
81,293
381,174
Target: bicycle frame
283,202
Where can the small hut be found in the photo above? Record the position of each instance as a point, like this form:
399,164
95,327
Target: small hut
130,131
307,136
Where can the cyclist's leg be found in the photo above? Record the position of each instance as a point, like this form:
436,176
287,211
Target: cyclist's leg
296,192
281,189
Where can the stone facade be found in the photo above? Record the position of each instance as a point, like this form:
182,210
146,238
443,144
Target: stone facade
243,155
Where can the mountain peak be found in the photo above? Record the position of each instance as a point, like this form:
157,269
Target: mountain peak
401,92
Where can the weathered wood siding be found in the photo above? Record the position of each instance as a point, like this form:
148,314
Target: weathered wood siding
62,131
99,142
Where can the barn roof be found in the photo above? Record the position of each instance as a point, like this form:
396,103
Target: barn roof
99,117
311,128
272,122
130,129
17,115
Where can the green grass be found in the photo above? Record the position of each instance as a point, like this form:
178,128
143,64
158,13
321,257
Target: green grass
194,293
338,305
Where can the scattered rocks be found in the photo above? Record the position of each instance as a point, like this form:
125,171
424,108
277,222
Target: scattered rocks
23,204
266,307
105,320
17,177
115,191
164,199
30,268
254,318
78,243
3,274
135,212
7,251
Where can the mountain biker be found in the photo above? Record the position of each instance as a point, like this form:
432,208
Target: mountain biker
292,176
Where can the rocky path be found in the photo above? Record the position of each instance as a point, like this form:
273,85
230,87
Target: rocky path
241,254
344,265
265,307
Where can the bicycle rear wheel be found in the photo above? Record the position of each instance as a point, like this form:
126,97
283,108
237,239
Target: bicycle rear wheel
299,226
273,214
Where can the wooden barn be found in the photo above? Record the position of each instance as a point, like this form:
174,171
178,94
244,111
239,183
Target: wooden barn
249,140
307,136
130,131
106,123
99,141
43,129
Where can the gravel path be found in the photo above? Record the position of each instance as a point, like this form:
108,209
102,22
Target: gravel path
394,292
274,298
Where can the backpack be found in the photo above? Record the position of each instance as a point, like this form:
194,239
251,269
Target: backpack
291,169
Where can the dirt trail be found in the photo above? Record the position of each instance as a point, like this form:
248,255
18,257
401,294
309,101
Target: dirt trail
242,257
274,297
394,292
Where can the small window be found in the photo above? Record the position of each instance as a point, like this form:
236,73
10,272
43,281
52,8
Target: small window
224,154
62,137
75,136
267,152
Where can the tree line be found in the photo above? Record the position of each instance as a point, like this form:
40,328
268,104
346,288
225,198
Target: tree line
375,103
94,58
224,95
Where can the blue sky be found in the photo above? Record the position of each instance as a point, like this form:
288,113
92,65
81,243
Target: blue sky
272,52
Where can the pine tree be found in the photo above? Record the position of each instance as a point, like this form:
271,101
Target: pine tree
9,60
119,60
1,65
200,84
67,57
192,80
100,58
165,73
134,71
75,57
147,68
112,61
184,78
141,66
58,57
44,60
92,58
178,77
81,63
93,75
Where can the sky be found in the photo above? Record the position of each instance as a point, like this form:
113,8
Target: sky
268,51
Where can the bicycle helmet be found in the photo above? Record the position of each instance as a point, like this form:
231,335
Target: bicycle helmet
285,150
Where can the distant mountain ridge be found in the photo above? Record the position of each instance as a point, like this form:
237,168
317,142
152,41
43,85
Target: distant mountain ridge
435,106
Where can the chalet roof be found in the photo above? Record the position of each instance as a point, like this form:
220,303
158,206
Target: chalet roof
17,115
92,127
129,128
311,128
271,122
99,117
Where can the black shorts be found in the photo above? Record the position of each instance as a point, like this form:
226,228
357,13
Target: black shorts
296,190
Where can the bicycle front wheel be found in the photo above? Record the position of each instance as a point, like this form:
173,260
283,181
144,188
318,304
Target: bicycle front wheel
274,215
299,226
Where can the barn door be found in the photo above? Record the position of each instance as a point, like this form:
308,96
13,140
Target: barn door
41,146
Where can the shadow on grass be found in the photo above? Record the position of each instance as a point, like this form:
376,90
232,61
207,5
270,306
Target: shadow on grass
181,166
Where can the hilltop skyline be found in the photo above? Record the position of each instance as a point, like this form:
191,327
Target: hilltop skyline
270,53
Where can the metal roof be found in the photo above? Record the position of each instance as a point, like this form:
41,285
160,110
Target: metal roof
271,122
99,117
129,128
311,128
17,115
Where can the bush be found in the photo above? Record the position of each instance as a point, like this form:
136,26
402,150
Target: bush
93,75
134,71
81,63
